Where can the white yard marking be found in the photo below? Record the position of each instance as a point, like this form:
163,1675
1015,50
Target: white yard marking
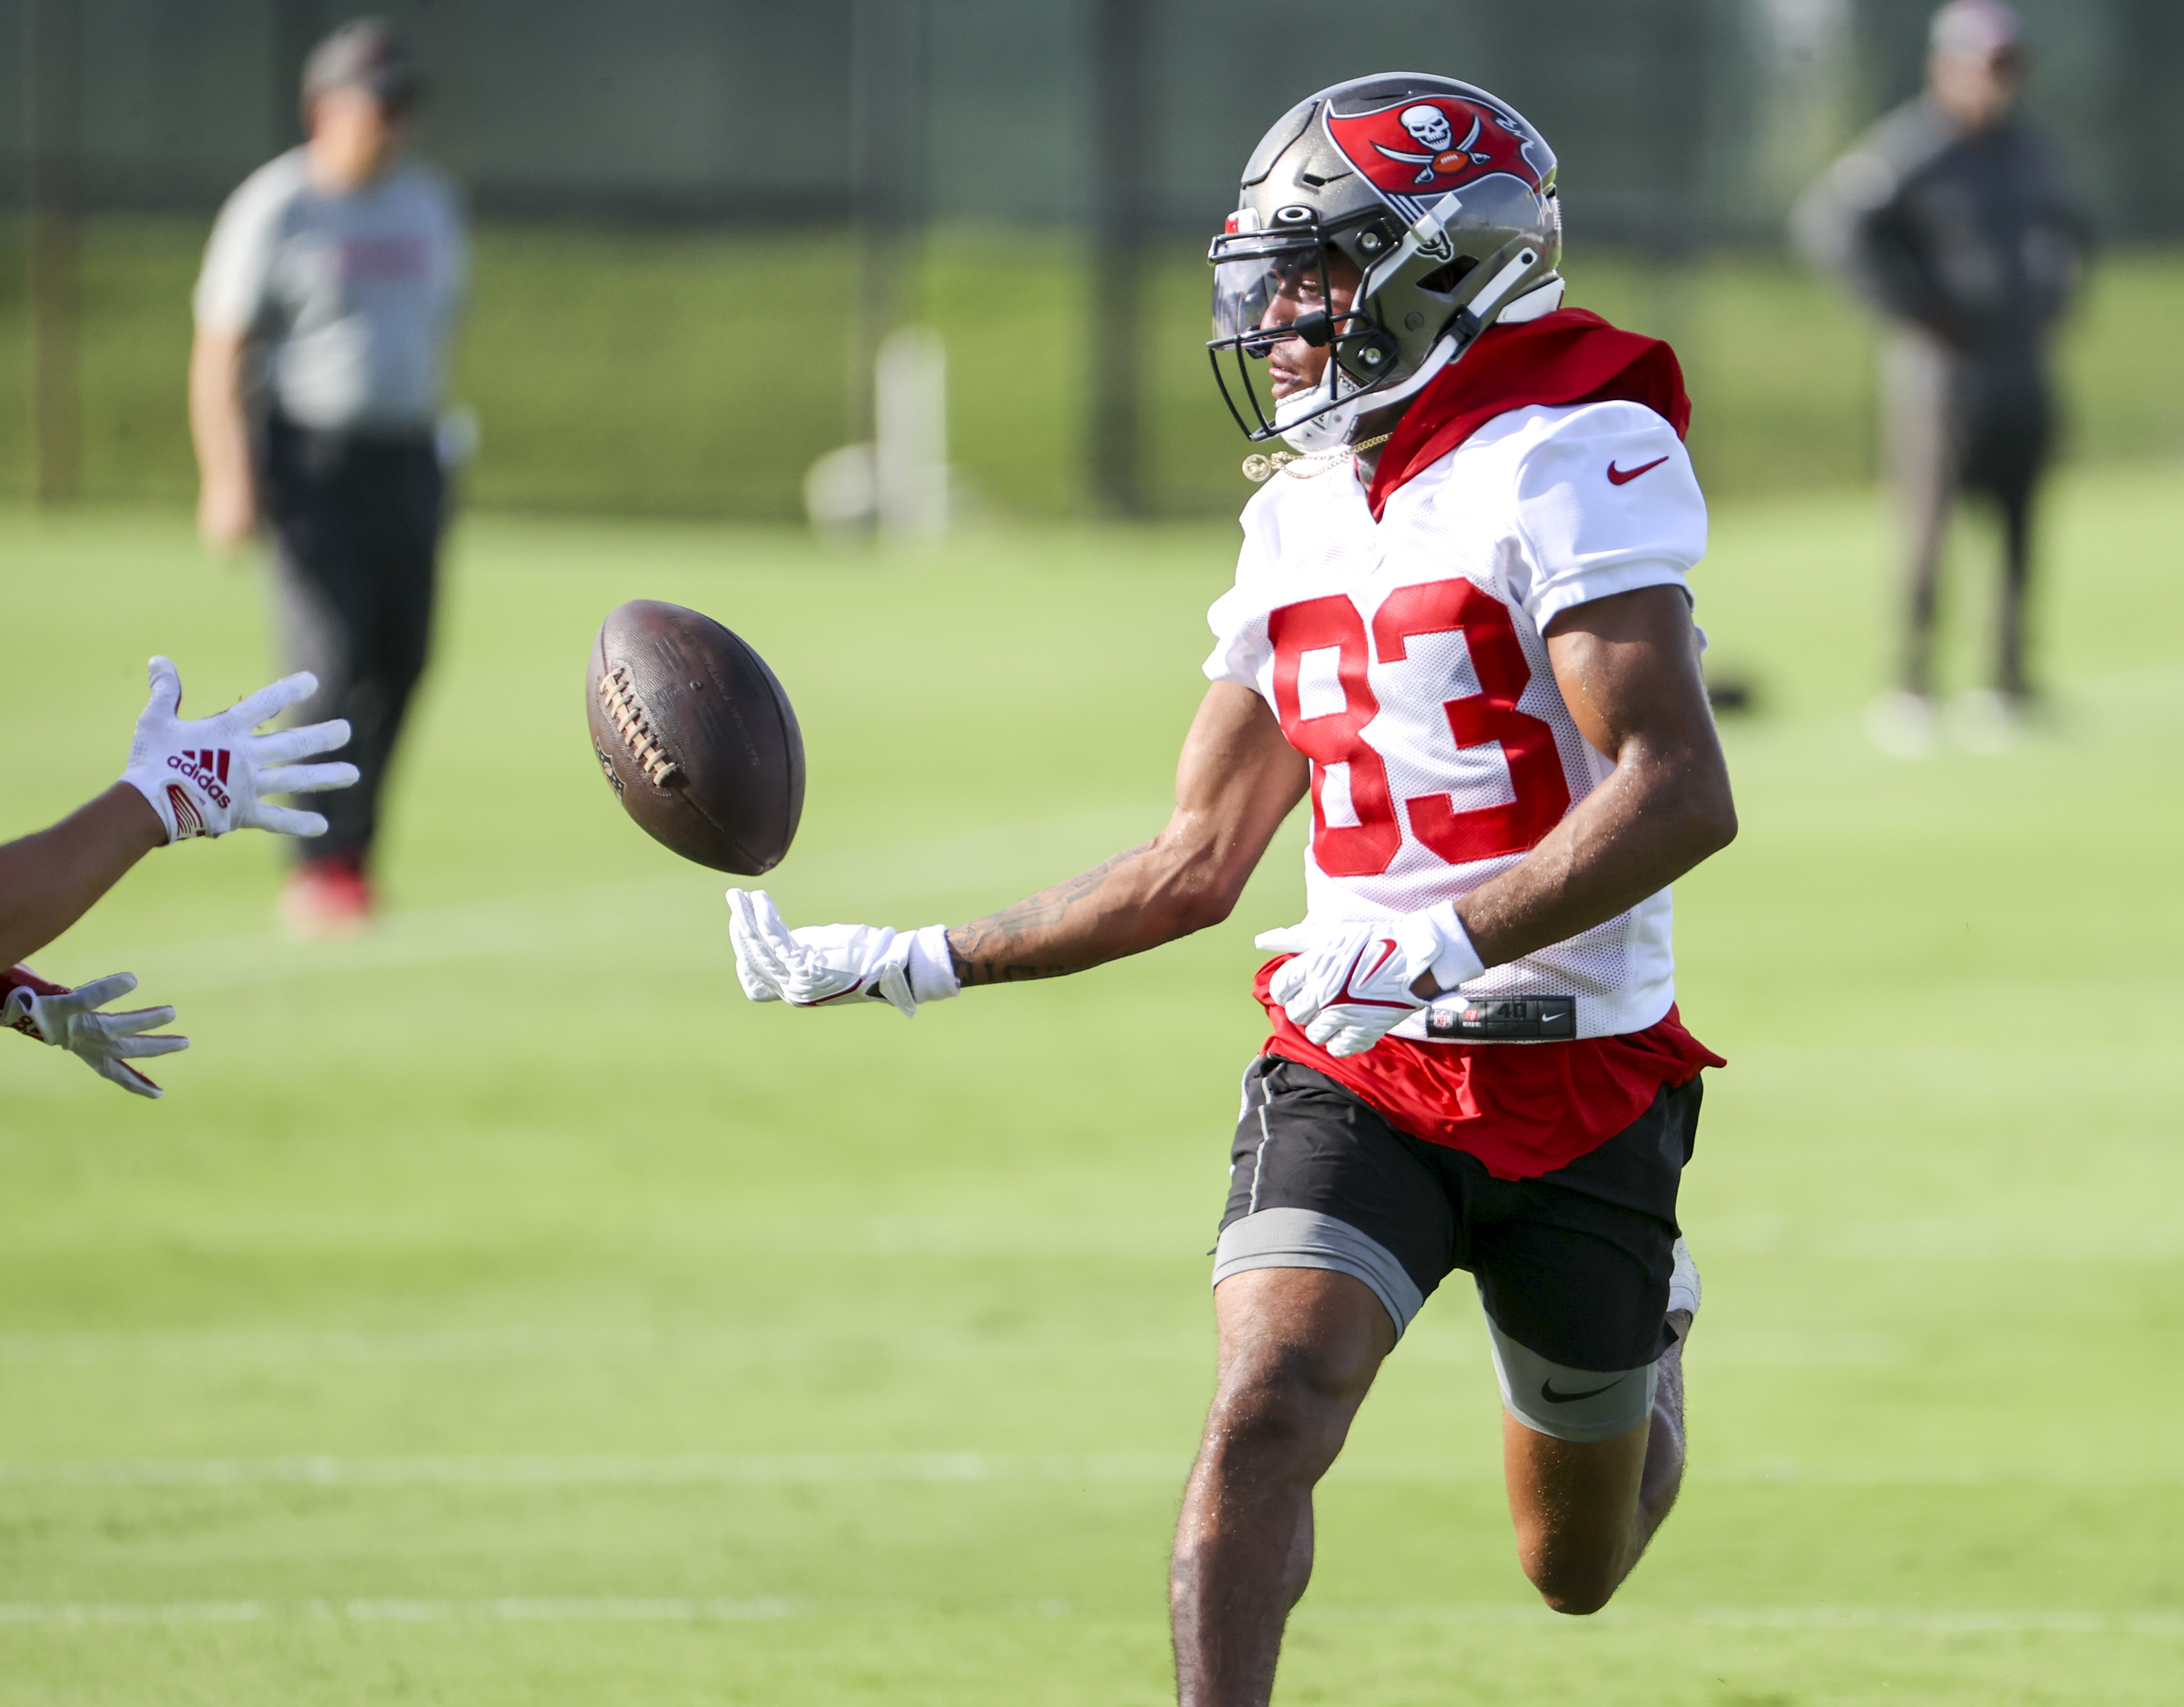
121,1612
599,1470
1162,1470
685,1610
1923,1622
551,1345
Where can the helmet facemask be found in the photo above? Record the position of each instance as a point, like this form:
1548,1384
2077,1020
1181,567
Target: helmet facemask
1252,271
1435,265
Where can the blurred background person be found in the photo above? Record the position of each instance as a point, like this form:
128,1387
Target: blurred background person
329,289
1952,219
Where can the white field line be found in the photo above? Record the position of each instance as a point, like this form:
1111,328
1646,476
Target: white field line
601,1471
1454,1341
681,1609
1910,1621
725,1470
1945,1240
790,1345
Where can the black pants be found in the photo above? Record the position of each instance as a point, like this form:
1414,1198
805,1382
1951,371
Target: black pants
1978,425
1572,1264
356,532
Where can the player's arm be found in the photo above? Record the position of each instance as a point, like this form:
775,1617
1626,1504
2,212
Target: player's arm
1237,780
49,880
227,491
1629,670
184,779
1628,666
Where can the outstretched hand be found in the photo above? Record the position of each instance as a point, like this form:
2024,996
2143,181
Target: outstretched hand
70,1020
835,963
210,776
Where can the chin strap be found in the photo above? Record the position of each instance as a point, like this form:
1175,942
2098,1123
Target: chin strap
1260,468
1484,309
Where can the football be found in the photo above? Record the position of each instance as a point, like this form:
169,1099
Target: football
696,737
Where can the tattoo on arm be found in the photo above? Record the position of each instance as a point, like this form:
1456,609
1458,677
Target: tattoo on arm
1029,939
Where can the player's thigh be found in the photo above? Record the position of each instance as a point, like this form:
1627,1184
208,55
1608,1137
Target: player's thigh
1314,1337
1320,1181
1573,1270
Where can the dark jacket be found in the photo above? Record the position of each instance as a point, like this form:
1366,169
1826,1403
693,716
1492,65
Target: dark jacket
1977,238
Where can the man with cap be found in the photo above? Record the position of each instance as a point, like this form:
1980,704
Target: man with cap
323,311
1952,219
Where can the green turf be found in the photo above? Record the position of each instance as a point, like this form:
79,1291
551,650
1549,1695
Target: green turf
700,372
499,1310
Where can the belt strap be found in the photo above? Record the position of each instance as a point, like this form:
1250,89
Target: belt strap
1504,1019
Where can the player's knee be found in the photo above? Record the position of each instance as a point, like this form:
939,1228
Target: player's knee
1285,1408
1576,1587
1580,1601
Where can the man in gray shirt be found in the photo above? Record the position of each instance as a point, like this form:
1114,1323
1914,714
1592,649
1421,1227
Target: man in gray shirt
329,289
1951,218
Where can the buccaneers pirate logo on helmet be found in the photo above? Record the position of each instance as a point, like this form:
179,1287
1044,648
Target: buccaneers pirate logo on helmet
1426,201
1412,149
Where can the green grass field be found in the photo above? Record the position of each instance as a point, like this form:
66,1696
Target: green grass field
499,1310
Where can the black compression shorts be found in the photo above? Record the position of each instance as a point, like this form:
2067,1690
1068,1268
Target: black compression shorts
1573,1266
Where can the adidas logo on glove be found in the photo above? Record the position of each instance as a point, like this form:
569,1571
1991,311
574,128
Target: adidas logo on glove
207,767
208,790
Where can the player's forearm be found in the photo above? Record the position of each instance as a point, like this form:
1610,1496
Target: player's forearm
1235,782
49,880
218,429
1150,894
1655,817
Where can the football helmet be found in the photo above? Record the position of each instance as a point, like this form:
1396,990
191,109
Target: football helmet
1441,200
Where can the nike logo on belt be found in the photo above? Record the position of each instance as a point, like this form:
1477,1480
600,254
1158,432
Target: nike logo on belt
1547,1392
1616,476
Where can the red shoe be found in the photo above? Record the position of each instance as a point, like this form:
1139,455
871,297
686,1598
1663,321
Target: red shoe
327,897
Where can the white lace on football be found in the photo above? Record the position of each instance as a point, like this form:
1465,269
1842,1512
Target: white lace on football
618,699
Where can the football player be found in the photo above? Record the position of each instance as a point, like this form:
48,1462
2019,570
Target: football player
183,780
1462,625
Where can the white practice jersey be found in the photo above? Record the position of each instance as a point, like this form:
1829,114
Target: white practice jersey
1404,658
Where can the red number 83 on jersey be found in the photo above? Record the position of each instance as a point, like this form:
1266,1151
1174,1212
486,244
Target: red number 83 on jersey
1369,845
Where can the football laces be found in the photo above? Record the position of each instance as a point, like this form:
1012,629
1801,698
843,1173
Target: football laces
618,699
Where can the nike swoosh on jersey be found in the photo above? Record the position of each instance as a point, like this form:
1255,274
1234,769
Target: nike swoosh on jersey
1616,476
1547,1392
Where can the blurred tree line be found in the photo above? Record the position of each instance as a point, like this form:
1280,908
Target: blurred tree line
697,216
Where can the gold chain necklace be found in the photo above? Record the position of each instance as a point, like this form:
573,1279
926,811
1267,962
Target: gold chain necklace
1265,468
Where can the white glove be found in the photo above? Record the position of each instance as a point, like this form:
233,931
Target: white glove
70,1020
1350,984
207,778
836,962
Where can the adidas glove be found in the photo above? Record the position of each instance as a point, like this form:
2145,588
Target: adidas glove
70,1020
837,964
1350,984
209,777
